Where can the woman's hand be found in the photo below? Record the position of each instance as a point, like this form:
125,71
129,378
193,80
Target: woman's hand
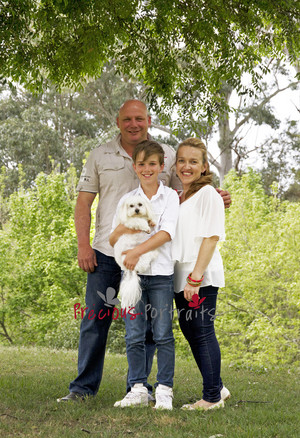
189,291
131,259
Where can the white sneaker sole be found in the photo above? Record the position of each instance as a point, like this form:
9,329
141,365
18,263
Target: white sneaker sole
142,403
165,408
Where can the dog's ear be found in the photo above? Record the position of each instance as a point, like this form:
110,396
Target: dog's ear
150,215
122,216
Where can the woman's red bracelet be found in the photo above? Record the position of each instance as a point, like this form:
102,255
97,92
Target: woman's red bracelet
192,282
195,281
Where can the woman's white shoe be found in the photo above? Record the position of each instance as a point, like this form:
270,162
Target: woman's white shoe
195,407
225,394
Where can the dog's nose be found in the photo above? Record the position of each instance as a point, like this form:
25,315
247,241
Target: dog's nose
137,210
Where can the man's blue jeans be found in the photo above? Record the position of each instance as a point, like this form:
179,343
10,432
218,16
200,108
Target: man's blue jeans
93,332
157,297
197,325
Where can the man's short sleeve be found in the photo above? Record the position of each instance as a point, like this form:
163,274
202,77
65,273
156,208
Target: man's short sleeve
175,182
89,178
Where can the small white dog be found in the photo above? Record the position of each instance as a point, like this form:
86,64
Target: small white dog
135,213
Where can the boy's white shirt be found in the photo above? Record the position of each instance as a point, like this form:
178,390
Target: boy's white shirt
165,205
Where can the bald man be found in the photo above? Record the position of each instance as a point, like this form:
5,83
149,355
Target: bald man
109,173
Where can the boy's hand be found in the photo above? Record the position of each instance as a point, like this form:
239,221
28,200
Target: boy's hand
225,196
131,259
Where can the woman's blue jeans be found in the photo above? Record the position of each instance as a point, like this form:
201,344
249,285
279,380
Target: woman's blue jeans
197,325
157,298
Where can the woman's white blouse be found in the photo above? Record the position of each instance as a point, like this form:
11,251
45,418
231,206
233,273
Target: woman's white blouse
201,215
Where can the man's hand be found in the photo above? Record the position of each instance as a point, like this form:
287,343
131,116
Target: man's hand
225,196
131,259
87,259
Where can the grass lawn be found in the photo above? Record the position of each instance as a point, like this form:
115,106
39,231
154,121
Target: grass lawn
31,379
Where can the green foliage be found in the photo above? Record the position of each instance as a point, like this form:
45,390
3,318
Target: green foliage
281,157
38,257
258,322
65,333
116,337
293,191
58,129
39,132
176,47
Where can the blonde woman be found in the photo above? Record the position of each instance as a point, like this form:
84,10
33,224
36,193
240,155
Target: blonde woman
198,267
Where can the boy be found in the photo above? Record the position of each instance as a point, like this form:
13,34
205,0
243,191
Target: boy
156,283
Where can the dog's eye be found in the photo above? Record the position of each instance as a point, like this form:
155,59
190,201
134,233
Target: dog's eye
140,204
131,205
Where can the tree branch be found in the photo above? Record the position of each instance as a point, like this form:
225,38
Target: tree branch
213,161
109,116
162,128
5,334
263,102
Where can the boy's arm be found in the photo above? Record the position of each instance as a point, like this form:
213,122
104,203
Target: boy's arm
118,232
133,255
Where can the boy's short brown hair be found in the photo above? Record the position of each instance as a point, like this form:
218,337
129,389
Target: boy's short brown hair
149,147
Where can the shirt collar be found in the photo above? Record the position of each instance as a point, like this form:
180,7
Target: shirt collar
118,146
160,191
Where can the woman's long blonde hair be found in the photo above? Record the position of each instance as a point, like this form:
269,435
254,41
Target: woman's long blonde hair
206,177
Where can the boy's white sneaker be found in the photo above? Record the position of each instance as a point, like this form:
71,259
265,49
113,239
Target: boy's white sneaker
137,396
164,397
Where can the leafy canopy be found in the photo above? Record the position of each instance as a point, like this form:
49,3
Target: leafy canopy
176,47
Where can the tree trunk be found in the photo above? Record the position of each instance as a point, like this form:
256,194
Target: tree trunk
225,138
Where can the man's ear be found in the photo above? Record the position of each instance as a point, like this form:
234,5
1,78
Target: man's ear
149,120
117,120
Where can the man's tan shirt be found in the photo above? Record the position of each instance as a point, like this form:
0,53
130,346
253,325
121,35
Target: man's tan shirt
109,172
